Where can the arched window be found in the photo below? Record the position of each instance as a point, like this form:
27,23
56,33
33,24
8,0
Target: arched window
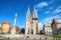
28,31
31,31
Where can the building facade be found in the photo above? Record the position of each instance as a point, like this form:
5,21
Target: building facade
6,29
47,29
56,27
31,22
52,28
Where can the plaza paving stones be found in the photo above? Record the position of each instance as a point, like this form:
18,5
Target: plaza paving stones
28,37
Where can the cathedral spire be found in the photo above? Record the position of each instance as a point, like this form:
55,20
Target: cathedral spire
28,9
34,8
35,13
28,13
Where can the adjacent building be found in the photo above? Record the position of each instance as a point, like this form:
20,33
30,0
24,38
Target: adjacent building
6,29
56,27
47,29
52,28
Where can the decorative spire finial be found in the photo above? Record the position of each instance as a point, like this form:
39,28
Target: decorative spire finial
34,7
28,8
35,13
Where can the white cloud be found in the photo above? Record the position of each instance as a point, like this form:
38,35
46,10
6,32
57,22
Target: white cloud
49,19
51,8
52,1
42,4
59,21
47,12
58,9
55,11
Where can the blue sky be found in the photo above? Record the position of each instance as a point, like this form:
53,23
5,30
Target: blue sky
46,9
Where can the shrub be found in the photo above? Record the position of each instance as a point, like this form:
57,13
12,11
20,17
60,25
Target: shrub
27,36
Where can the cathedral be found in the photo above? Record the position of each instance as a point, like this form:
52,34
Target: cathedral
31,22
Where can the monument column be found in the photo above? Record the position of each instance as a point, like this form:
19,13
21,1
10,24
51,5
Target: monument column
13,30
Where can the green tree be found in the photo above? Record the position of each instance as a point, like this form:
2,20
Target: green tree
23,30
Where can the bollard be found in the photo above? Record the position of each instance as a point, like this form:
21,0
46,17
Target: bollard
45,38
40,38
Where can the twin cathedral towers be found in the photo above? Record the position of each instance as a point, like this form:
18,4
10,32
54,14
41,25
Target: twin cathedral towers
31,22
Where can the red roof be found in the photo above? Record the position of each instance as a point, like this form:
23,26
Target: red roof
6,22
54,21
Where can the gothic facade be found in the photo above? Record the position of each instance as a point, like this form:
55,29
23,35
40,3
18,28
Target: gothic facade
31,22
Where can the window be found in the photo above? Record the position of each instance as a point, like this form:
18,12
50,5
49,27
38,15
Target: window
31,25
31,31
31,22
